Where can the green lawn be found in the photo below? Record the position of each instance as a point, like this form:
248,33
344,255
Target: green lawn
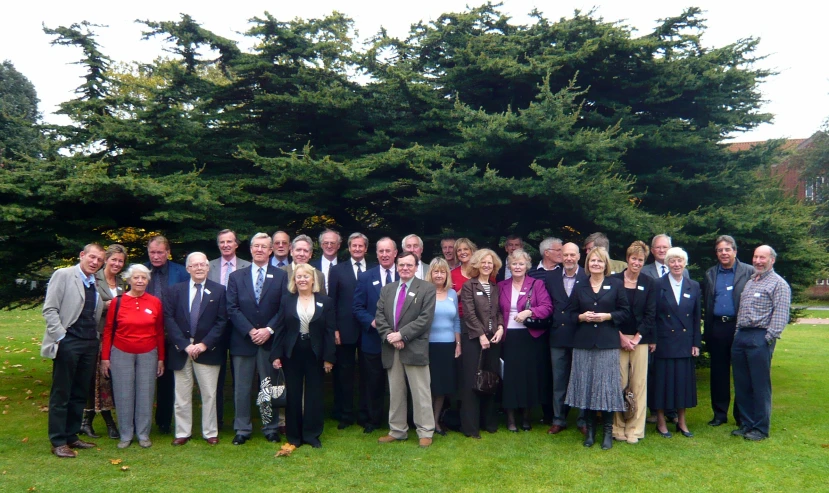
794,459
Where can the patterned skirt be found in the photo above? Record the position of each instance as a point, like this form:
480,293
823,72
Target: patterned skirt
102,388
595,380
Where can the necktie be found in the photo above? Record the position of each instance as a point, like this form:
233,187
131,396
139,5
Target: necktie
228,269
281,263
664,270
194,310
401,298
388,276
260,281
359,269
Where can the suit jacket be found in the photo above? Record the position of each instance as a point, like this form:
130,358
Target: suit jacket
321,328
341,286
366,296
650,271
176,273
65,297
678,326
643,309
215,272
243,311
564,328
319,279
478,310
416,318
209,329
104,294
611,299
742,273
540,303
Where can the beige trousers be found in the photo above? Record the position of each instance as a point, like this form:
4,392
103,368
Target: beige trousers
420,386
633,364
208,379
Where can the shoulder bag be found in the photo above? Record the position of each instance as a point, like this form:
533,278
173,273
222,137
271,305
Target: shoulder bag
536,323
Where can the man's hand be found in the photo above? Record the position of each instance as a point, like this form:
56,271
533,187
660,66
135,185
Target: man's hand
394,337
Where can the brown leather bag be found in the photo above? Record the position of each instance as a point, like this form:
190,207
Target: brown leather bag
630,398
486,382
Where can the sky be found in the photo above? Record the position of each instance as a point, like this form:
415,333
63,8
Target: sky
792,38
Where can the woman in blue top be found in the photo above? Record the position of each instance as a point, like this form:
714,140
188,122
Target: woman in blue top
444,338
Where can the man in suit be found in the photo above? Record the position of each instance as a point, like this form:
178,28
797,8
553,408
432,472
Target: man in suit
281,249
219,272
164,274
513,243
342,281
404,317
72,310
660,244
366,296
195,316
330,242
302,248
561,284
413,243
253,298
722,287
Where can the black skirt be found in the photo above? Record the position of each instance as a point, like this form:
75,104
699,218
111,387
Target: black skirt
674,384
442,368
521,385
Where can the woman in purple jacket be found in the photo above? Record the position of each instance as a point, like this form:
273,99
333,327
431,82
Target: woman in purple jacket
521,383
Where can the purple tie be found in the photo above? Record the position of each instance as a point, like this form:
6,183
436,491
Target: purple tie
401,299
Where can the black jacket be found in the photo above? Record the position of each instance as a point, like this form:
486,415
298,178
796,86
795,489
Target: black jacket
643,309
611,299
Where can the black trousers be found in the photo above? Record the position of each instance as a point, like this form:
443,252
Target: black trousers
751,355
477,411
372,389
165,398
719,343
344,382
303,370
72,372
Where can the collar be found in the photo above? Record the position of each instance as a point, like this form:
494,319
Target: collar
407,283
722,269
193,284
541,266
254,268
86,280
575,273
354,262
232,261
163,269
764,275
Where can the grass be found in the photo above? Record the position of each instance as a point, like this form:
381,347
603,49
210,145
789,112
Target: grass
795,458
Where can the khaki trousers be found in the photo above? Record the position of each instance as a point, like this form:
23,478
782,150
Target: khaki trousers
633,364
420,386
208,379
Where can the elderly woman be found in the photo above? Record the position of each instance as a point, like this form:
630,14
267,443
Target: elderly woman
481,332
133,348
521,297
600,306
635,334
444,338
304,345
678,340
464,249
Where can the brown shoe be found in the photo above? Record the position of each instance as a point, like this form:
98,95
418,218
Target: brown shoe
389,439
213,440
180,441
81,444
555,429
64,452
583,430
425,442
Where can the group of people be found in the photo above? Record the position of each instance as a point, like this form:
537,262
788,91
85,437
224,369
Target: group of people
607,337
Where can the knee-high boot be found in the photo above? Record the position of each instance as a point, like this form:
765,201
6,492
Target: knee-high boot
112,428
607,440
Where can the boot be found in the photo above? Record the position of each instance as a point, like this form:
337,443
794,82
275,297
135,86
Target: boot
607,440
590,422
112,429
86,424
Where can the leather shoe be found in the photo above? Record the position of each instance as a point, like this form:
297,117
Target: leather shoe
64,452
716,422
754,436
240,439
555,429
583,430
739,432
425,442
389,439
686,434
81,444
667,434
441,432
213,441
273,437
180,441
369,429
476,437
315,444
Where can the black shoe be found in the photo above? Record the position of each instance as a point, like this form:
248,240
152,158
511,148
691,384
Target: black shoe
686,434
369,429
739,432
86,424
526,427
667,434
441,432
514,430
273,437
590,424
240,439
315,443
343,425
164,430
716,422
607,439
476,437
754,436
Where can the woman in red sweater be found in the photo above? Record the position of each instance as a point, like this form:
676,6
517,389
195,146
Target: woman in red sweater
133,348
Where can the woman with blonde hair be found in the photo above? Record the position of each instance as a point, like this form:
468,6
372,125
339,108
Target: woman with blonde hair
464,249
444,338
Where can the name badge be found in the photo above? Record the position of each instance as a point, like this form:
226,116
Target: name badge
686,295
319,304
521,293
207,291
269,276
376,283
757,295
479,294
729,288
640,288
148,311
411,293
605,287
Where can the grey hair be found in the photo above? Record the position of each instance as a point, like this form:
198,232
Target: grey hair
136,268
354,236
386,238
328,230
663,235
517,254
259,236
771,251
190,255
676,252
728,239
305,238
547,243
407,237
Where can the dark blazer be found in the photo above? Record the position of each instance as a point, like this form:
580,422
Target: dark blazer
677,326
540,303
210,328
642,310
366,296
341,286
502,272
319,278
176,273
321,328
243,311
478,310
742,273
610,299
564,328
416,318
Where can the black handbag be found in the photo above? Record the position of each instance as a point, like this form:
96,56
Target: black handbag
536,323
279,398
486,382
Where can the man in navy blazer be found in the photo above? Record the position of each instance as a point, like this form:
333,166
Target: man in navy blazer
342,282
164,274
366,296
195,316
253,299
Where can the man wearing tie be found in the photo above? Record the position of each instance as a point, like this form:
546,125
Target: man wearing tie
302,248
414,244
219,272
253,298
660,244
330,241
404,317
281,249
195,316
366,296
342,281
164,274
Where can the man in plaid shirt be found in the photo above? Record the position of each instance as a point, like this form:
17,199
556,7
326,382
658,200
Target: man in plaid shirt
763,314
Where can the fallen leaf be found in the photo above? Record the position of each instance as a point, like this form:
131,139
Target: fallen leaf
44,409
285,450
25,440
125,468
29,397
32,489
824,445
3,398
5,412
115,461
44,394
38,382
28,391
16,366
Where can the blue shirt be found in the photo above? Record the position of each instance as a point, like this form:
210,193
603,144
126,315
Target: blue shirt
87,282
723,293
447,322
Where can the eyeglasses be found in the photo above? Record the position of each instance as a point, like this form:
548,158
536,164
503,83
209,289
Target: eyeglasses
199,265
